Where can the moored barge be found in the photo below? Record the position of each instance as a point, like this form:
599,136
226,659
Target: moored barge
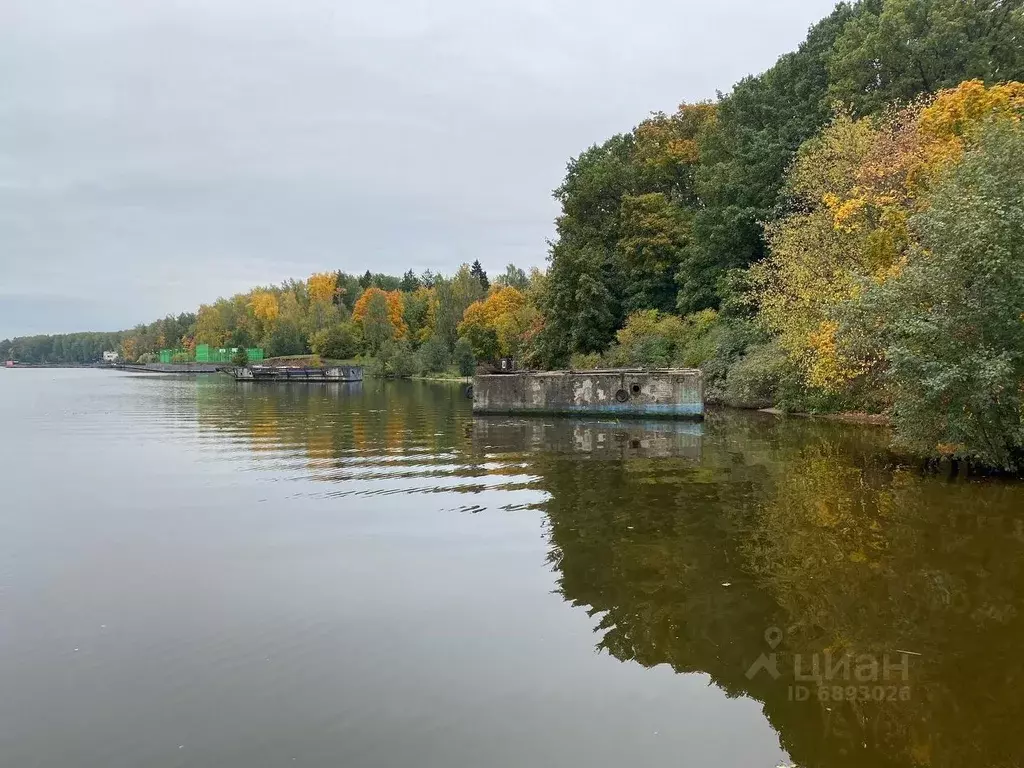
288,375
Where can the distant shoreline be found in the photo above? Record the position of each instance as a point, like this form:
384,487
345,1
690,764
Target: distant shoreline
54,365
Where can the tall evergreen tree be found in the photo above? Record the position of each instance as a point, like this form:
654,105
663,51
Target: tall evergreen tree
477,271
409,282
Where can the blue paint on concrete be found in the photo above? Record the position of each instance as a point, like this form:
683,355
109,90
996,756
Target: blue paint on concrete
672,411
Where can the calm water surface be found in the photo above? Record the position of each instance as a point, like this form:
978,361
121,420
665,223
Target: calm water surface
197,573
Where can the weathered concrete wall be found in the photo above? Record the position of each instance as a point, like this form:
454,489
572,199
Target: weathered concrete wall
677,393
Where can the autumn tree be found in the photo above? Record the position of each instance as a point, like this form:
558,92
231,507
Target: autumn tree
854,189
265,309
481,335
953,334
667,150
816,265
393,303
377,322
129,349
498,325
322,310
210,326
322,287
622,234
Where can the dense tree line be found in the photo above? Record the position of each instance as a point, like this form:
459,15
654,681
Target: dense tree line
63,348
429,323
842,231
654,218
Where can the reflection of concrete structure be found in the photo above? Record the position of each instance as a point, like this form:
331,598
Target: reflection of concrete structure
611,440
189,368
285,374
672,393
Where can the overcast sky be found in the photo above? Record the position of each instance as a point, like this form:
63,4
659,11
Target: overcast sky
156,154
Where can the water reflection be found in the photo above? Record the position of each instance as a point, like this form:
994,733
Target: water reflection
796,526
582,438
687,543
366,439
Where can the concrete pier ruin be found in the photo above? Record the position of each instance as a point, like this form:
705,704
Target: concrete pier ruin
675,393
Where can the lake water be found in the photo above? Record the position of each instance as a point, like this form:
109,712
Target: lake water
199,573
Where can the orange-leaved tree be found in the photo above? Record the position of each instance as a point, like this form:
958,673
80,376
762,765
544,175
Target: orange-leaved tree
395,306
500,324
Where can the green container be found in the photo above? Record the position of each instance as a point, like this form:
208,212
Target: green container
168,355
204,354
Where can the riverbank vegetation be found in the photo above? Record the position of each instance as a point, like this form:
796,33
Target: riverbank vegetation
844,231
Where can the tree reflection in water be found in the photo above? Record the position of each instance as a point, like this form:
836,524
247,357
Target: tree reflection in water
687,542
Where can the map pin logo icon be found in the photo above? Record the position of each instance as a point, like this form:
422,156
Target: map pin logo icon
773,636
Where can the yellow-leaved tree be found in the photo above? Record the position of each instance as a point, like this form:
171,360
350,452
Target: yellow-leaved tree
671,143
814,263
129,349
264,306
394,305
322,286
500,325
322,289
855,187
210,326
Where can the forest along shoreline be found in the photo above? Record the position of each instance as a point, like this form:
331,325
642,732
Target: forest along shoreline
860,253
